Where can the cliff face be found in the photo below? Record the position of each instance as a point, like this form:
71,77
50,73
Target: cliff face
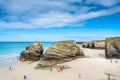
32,52
112,49
60,52
99,44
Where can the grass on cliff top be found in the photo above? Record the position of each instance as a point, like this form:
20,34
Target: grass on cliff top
66,41
45,67
63,42
37,43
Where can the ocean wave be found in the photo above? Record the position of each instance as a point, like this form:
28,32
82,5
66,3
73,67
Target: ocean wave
9,59
8,56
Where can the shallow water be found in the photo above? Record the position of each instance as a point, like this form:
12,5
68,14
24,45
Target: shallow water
10,50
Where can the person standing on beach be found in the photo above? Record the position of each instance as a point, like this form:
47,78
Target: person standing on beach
25,77
63,67
109,77
17,58
111,61
10,68
79,75
51,69
59,69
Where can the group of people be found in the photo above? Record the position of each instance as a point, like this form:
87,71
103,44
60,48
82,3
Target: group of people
59,68
14,61
115,61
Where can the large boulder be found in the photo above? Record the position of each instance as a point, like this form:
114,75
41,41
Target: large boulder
32,53
112,47
61,51
98,44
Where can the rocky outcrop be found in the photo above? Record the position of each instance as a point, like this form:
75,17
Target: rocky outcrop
112,47
89,44
98,44
79,42
61,51
32,52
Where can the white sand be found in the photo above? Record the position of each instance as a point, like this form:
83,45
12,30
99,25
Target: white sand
94,67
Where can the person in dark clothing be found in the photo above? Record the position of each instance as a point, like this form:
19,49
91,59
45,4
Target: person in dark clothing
10,68
25,77
51,69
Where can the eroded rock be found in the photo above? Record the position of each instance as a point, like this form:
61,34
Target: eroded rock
61,51
98,44
32,52
112,49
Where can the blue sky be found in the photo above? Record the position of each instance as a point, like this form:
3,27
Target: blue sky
55,20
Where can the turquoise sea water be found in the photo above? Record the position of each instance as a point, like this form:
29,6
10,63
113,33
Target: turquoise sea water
10,50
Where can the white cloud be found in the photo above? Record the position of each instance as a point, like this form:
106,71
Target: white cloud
53,19
47,13
14,25
106,3
99,13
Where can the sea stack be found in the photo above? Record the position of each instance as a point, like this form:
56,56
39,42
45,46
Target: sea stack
32,53
97,44
112,47
61,51
89,44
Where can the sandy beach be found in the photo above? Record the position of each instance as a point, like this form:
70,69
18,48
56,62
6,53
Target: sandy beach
93,67
59,40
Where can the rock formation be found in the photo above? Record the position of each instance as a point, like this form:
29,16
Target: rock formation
79,42
89,44
61,51
32,52
98,44
112,47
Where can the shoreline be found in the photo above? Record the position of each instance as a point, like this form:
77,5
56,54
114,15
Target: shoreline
94,67
11,61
